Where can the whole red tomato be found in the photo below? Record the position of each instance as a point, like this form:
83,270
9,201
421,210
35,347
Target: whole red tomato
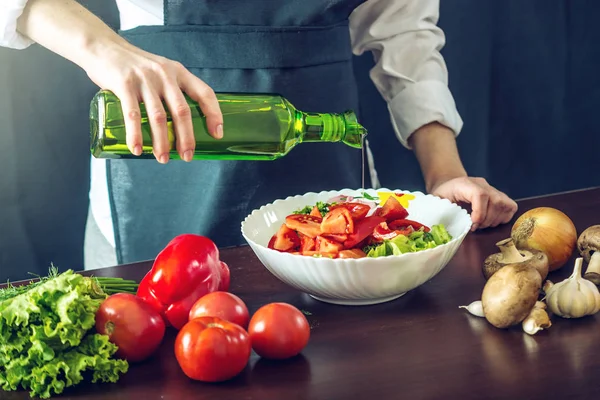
278,331
210,349
130,323
224,305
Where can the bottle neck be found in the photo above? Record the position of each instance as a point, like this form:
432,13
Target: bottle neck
316,127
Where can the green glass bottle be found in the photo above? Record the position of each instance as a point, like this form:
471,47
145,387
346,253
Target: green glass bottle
255,127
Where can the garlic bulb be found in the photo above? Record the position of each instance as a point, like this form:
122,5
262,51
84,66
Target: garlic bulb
574,297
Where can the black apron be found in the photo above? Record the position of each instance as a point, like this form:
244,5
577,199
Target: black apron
298,48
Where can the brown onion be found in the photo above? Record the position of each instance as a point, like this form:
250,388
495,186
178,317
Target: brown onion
549,230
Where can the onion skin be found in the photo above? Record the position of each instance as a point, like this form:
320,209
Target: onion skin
549,230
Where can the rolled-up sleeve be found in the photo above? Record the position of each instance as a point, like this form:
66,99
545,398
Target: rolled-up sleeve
10,11
409,72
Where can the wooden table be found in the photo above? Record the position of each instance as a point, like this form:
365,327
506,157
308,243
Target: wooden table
421,346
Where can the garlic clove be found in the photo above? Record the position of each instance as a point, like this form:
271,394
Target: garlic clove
530,327
536,321
540,304
475,308
547,286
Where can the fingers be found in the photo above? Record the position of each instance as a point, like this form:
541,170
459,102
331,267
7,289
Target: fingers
489,206
508,208
131,114
479,199
157,117
149,78
500,208
495,211
207,100
182,121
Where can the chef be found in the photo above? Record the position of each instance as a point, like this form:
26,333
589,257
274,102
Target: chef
301,49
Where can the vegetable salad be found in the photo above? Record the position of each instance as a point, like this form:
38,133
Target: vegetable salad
356,227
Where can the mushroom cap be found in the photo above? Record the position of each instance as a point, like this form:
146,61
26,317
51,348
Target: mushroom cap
491,265
535,258
589,242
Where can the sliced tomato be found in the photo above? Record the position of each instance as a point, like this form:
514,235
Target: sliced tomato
338,237
306,243
324,245
403,223
338,221
286,239
357,210
352,253
308,225
315,212
383,232
272,242
362,230
391,210
320,254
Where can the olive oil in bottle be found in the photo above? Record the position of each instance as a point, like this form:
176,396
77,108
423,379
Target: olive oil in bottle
255,127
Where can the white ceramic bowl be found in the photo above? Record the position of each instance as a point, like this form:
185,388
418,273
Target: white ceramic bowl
358,281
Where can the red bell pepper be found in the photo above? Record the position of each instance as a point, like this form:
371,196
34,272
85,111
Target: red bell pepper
185,270
362,230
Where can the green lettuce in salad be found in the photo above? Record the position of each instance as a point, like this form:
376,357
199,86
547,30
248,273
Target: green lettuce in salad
321,205
416,241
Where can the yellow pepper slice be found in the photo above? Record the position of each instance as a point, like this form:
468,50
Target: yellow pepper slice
404,199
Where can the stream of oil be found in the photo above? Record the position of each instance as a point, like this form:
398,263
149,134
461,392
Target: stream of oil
363,150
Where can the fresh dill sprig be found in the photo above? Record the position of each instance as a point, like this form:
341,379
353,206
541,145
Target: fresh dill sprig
105,284
11,290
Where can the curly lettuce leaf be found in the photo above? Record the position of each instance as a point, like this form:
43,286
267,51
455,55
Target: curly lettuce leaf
416,241
61,310
43,342
440,234
46,373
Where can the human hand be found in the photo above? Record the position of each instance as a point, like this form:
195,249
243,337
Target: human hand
445,176
489,206
134,75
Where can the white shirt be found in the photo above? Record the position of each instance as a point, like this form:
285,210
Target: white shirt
402,35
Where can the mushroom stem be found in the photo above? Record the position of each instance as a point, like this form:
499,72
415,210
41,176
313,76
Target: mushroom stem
510,253
594,264
593,270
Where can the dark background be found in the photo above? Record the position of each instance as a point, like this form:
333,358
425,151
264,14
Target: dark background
524,75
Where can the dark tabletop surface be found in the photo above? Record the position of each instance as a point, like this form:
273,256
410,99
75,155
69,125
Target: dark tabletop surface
420,346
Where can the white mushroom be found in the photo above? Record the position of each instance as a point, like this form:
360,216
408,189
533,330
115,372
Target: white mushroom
588,245
509,254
